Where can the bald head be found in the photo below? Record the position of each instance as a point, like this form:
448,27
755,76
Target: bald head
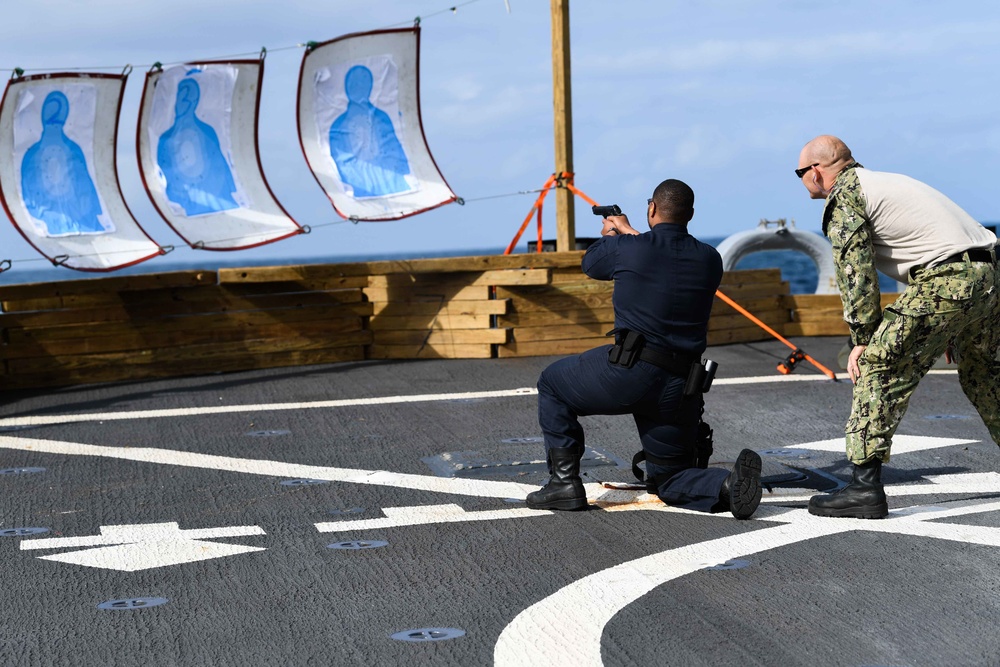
821,162
828,152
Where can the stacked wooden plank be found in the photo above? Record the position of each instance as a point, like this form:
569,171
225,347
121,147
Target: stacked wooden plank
171,324
820,314
441,315
196,322
570,315
574,313
430,308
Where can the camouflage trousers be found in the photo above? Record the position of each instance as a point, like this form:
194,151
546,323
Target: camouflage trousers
955,304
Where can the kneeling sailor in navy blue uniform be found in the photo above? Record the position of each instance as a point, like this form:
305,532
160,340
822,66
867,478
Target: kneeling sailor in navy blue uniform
665,283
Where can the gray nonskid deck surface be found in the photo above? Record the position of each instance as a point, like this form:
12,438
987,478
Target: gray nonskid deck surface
227,501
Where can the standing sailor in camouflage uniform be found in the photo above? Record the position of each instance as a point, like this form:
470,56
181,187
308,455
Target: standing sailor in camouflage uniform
915,234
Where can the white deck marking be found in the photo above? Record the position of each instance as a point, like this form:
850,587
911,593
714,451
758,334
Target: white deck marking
901,444
462,487
40,420
566,627
969,483
972,483
954,509
766,379
563,629
43,420
424,515
134,547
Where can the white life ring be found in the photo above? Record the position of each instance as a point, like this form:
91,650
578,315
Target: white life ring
783,237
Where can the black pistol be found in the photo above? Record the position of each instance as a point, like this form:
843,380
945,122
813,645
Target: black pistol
605,211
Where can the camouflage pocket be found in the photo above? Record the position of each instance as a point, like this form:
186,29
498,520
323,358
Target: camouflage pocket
889,341
941,293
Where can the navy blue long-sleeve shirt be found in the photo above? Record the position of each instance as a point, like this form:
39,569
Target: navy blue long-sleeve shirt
665,283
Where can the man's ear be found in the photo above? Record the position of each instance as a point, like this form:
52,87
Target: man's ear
820,176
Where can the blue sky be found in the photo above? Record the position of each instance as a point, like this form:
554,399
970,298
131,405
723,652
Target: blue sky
719,93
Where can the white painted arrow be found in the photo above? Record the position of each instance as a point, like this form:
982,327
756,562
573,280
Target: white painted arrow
144,546
426,514
901,444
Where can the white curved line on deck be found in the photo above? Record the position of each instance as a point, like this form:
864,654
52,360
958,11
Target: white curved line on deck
566,627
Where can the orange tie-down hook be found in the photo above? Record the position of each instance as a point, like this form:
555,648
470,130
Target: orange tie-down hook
787,365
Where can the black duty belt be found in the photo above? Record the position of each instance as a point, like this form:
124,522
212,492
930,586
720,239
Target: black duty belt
974,255
630,346
672,362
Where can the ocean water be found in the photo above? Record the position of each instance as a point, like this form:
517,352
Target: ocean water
796,268
799,270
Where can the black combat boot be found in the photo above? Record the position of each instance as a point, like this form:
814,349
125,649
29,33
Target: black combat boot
564,490
863,498
741,491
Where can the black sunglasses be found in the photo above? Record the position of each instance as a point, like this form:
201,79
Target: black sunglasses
802,170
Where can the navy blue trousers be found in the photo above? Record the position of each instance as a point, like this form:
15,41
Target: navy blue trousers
588,384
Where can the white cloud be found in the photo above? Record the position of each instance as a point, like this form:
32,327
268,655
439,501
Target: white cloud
463,88
497,107
783,52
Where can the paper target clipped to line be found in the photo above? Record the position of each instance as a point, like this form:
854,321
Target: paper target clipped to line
59,184
360,127
199,159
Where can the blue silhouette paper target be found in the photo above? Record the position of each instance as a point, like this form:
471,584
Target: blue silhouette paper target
60,189
189,128
197,174
359,122
364,141
54,148
199,159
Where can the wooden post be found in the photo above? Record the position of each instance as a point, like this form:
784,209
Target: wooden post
563,108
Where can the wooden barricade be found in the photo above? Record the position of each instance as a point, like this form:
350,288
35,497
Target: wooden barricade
759,291
820,314
433,308
574,312
441,315
171,324
197,322
570,315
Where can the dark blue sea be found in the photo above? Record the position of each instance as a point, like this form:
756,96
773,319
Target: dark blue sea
796,268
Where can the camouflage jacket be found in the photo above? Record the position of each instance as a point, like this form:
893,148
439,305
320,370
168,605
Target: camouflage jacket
850,231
